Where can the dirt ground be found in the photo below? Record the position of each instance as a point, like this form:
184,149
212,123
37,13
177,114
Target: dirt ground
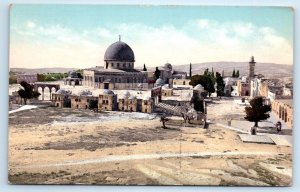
64,146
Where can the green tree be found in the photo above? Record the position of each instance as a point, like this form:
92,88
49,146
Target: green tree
206,80
144,69
233,73
41,77
237,74
156,73
27,92
257,111
212,72
220,84
12,79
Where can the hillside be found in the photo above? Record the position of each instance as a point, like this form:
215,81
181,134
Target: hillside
267,69
42,70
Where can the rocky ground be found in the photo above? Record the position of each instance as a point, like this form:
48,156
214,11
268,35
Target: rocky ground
64,146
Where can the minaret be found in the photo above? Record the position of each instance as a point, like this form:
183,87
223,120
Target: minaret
251,67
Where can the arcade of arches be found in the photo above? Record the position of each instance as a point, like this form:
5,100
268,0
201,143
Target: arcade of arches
283,108
52,88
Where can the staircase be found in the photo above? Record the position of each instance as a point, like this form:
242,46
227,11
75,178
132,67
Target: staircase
175,110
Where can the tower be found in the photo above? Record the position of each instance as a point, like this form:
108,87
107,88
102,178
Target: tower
251,67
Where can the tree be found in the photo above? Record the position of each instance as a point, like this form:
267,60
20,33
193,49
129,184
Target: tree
190,70
223,73
220,84
79,75
156,73
237,74
233,73
12,79
197,102
206,72
258,111
206,80
27,92
144,69
212,72
41,77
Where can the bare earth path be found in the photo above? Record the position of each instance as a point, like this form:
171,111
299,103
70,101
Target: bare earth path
52,146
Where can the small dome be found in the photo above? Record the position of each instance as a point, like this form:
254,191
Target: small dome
159,82
85,93
61,91
73,74
198,87
168,67
119,51
107,92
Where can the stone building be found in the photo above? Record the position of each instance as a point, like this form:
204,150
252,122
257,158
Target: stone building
118,71
288,89
271,88
82,100
243,87
129,102
198,89
255,86
167,73
251,67
166,91
73,79
147,105
230,86
178,83
107,101
60,97
29,78
15,98
283,108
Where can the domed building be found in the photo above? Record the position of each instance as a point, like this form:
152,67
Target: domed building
167,73
118,70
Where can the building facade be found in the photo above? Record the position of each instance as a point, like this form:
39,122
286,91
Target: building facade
118,70
147,105
107,101
283,108
59,98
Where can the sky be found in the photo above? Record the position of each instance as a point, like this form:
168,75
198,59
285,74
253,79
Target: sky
77,36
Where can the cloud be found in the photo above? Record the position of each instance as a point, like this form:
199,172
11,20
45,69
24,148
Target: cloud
197,41
30,24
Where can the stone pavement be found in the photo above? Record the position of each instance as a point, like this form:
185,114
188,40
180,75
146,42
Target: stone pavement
246,138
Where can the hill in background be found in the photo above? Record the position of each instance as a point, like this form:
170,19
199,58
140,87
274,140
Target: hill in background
266,69
270,70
